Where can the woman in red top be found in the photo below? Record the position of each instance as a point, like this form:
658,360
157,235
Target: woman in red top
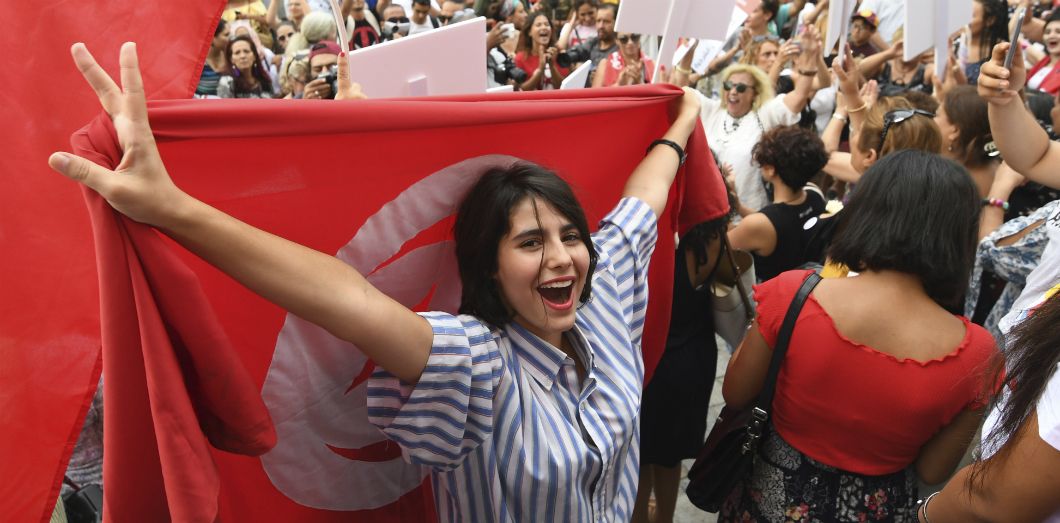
626,66
536,54
1045,75
880,384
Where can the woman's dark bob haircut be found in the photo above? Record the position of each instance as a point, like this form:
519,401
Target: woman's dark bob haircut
484,218
917,213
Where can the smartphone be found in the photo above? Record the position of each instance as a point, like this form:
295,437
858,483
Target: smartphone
1021,15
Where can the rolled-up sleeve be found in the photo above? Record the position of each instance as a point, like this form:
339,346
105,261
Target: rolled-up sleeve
449,411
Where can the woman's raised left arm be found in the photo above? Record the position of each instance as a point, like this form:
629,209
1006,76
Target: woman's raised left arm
651,180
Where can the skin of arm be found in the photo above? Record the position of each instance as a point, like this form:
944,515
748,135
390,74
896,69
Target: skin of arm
557,73
680,77
747,369
1024,145
272,18
346,8
943,452
1018,486
839,167
848,85
811,48
755,233
651,180
1005,181
871,66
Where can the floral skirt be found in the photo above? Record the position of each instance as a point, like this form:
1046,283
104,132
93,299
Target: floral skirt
789,486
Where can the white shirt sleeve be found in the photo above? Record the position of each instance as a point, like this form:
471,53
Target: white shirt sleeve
775,113
1049,411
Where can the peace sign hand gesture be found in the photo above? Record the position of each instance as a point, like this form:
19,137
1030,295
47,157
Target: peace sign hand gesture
139,187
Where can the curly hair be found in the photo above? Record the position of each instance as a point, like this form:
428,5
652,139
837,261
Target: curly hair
796,154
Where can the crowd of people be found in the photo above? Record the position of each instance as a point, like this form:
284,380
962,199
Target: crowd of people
927,201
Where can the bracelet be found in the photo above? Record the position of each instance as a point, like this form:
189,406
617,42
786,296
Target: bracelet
995,202
682,70
859,109
811,72
681,156
836,116
922,506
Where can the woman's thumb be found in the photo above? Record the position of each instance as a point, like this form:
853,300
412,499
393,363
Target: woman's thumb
79,169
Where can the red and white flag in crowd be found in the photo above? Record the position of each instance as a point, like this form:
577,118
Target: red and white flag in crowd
219,405
191,357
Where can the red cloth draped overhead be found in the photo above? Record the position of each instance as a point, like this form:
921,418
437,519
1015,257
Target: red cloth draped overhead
190,356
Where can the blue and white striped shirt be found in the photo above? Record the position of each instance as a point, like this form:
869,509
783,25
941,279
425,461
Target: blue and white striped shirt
499,416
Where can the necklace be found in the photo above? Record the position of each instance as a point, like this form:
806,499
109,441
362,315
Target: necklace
735,123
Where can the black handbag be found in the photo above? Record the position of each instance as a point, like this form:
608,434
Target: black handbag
727,456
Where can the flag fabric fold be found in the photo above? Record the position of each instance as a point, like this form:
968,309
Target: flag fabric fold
189,355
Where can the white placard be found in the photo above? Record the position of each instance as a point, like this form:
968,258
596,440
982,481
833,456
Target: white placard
674,19
577,78
703,55
839,12
928,25
443,61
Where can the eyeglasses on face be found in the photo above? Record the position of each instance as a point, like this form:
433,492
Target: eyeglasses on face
740,88
624,39
898,116
762,38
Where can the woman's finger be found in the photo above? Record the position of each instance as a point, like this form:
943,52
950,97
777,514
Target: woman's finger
82,171
134,102
106,90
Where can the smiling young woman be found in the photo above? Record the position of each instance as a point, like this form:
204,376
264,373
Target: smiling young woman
524,405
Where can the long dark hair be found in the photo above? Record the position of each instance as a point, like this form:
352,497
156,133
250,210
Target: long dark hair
1027,365
525,40
917,213
242,83
995,26
484,218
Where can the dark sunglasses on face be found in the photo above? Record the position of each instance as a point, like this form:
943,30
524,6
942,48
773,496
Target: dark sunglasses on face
898,116
740,88
283,38
624,39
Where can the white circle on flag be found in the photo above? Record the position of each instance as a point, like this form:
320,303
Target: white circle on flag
307,389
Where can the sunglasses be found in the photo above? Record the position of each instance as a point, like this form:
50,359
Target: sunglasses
283,38
624,39
444,19
740,88
898,116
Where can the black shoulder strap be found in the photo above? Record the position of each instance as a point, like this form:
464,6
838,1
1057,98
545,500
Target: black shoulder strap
765,398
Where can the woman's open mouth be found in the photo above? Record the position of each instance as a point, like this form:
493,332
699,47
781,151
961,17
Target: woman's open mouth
558,294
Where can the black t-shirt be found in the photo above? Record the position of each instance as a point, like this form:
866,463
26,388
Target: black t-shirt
791,223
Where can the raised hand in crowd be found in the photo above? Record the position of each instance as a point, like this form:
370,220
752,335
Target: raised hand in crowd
1022,143
347,89
1006,180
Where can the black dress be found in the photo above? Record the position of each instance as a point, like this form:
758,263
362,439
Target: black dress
673,414
792,223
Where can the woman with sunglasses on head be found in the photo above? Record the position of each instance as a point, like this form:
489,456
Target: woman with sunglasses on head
626,66
537,53
747,110
881,385
525,405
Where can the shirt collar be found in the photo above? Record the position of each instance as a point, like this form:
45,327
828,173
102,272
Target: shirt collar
542,360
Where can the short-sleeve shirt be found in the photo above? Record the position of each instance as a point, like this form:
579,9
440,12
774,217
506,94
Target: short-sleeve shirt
852,407
733,138
500,418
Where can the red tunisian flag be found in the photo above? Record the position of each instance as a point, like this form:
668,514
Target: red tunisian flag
49,299
190,355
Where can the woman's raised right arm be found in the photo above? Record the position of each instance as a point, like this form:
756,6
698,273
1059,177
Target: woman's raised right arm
1023,144
315,286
